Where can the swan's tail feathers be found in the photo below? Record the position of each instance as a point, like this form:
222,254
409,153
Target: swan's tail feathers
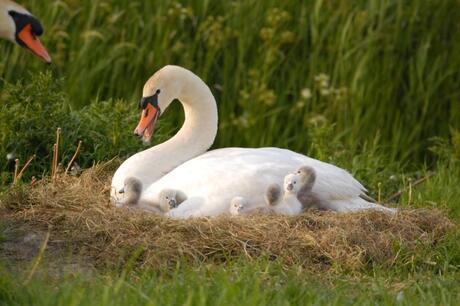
367,198
358,204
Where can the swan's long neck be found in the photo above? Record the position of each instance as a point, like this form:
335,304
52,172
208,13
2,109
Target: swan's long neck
195,136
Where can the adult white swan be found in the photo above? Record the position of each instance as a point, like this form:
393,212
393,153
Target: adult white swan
212,179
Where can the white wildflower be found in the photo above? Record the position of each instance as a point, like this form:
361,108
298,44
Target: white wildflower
306,93
325,92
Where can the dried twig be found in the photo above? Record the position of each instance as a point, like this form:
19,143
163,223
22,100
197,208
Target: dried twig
77,151
23,170
53,162
411,186
16,169
56,153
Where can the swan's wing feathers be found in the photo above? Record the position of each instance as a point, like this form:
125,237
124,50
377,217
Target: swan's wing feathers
219,175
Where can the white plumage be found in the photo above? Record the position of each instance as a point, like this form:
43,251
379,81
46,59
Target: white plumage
214,178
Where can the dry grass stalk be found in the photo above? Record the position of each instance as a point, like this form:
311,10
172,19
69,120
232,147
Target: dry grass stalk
53,162
38,259
27,164
54,170
16,170
78,212
75,155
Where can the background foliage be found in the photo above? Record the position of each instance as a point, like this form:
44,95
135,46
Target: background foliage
386,73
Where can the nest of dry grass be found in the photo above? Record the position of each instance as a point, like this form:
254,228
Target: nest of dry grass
76,211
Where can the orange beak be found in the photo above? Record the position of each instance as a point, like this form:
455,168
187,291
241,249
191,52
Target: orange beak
146,125
33,43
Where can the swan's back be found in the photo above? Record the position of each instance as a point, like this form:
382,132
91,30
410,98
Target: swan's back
211,180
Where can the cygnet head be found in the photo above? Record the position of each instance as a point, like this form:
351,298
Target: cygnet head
168,197
303,179
237,205
131,191
306,171
292,183
307,177
273,195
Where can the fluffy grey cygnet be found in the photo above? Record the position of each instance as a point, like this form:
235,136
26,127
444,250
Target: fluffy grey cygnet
170,198
167,199
240,205
132,190
273,195
301,183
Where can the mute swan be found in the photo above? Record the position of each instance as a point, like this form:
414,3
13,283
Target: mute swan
212,179
20,27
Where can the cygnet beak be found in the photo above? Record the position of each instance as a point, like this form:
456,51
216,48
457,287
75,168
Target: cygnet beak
290,186
172,203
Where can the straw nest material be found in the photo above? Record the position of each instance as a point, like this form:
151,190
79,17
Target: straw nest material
76,211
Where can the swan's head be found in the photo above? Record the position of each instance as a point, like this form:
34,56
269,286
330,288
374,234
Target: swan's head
237,206
20,27
161,89
167,197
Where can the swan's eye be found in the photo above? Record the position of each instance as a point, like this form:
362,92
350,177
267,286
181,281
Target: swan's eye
158,91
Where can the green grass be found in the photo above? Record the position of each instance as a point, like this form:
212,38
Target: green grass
241,283
258,283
